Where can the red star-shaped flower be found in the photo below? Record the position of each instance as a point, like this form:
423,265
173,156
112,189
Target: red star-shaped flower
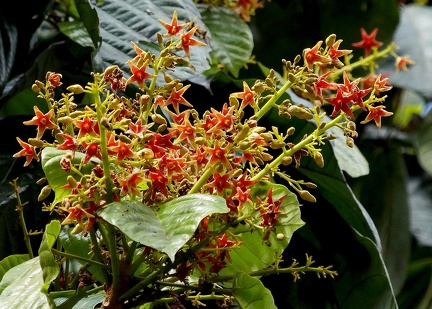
139,74
42,121
368,41
247,96
375,113
28,151
340,102
173,28
313,55
187,41
176,98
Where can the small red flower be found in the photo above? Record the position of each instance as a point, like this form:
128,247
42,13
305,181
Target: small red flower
375,113
321,84
218,154
368,41
122,151
139,74
313,55
270,209
87,126
224,119
69,143
298,154
42,121
28,151
129,185
340,102
334,53
173,28
92,150
53,79
187,41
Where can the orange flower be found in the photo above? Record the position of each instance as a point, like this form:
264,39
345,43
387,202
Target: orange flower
28,151
139,74
187,41
247,96
173,28
402,62
375,113
43,121
313,55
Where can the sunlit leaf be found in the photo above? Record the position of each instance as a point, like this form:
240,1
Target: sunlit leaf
50,268
11,261
168,228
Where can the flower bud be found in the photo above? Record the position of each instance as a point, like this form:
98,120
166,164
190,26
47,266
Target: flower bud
349,142
287,160
65,120
290,131
330,40
266,156
162,128
71,181
305,195
36,142
280,236
310,185
41,181
35,88
300,112
146,153
277,144
319,159
76,89
124,139
158,119
45,192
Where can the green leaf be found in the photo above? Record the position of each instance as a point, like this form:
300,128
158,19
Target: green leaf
79,245
232,40
384,195
85,301
423,144
76,32
253,254
250,293
138,21
412,40
168,228
11,261
50,268
21,286
55,175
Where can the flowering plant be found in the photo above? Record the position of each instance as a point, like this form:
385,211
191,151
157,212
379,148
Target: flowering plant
157,203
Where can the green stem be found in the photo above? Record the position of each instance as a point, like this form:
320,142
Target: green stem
79,258
277,161
98,253
202,180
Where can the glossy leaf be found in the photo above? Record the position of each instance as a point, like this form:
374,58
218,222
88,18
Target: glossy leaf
138,21
253,254
232,40
168,228
86,301
55,175
250,293
21,286
11,261
8,46
50,268
413,40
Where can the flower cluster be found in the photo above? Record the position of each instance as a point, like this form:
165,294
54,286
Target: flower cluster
155,147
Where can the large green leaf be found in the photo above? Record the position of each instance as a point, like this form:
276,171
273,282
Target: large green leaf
423,144
50,268
79,245
11,261
414,40
232,40
138,20
8,46
168,228
21,287
384,195
55,175
253,254
250,293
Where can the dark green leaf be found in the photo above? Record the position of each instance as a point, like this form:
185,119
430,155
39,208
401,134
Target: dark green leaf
76,32
423,144
90,20
232,40
138,21
8,46
167,229
250,293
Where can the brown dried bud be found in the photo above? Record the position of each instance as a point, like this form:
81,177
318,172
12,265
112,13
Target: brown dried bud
266,156
319,159
76,89
330,137
291,77
305,195
105,123
351,125
159,38
322,125
45,192
297,59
